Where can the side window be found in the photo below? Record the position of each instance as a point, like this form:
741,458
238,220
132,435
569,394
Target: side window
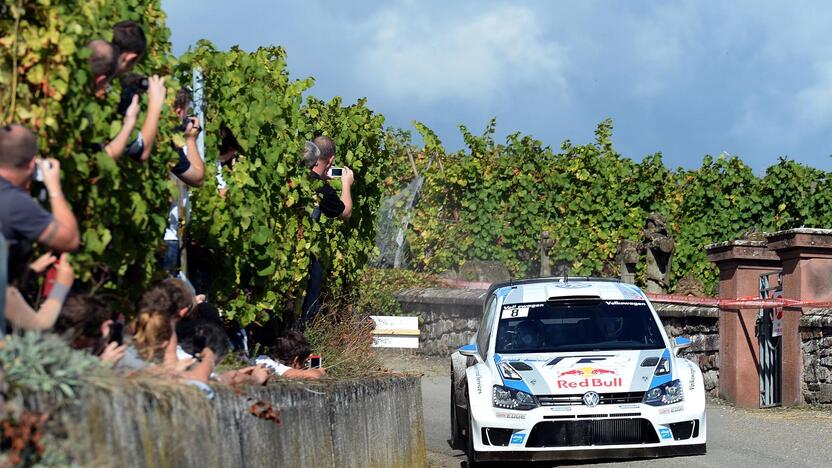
484,331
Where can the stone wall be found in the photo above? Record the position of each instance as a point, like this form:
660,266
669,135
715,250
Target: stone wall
375,422
701,326
816,343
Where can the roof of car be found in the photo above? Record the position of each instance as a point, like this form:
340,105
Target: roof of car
542,289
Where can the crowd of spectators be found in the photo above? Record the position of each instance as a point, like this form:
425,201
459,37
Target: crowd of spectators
172,332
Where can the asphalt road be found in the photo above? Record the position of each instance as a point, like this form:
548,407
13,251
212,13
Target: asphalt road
736,438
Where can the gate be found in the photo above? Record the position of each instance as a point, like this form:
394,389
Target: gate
770,341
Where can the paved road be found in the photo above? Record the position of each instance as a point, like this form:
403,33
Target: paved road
736,438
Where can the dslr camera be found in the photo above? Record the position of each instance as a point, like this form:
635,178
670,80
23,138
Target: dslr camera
131,85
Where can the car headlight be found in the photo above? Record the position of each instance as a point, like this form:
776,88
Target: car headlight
509,398
665,394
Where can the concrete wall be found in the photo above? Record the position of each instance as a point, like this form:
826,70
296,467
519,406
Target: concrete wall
816,344
375,422
451,317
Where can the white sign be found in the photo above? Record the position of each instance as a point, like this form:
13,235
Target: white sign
515,312
777,316
395,332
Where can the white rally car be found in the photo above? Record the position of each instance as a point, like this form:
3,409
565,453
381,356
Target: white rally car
574,368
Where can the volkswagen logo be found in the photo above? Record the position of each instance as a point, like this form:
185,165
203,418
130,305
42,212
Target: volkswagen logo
591,399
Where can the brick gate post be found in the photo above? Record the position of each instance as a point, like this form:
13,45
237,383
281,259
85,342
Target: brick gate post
740,263
807,276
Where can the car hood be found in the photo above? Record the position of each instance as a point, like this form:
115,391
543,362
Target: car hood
579,372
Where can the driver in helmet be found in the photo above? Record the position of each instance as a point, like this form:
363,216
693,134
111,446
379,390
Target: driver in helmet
529,335
610,325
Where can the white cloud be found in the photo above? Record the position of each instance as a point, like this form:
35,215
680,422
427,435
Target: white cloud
432,55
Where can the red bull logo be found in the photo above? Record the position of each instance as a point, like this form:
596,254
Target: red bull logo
584,377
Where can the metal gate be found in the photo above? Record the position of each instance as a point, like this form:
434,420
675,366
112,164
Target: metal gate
771,352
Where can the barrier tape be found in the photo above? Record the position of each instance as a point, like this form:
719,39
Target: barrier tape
738,303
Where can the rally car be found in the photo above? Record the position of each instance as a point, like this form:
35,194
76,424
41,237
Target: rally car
574,368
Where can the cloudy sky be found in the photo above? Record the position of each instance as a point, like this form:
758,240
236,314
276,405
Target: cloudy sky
686,78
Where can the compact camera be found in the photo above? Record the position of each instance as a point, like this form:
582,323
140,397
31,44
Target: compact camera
184,125
314,361
37,176
335,172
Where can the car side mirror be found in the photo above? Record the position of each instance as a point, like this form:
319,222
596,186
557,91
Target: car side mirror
469,350
679,343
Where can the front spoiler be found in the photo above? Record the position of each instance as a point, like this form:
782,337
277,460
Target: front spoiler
594,453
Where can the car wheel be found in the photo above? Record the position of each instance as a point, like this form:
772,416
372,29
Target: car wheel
456,431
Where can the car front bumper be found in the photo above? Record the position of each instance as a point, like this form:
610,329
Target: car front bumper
579,432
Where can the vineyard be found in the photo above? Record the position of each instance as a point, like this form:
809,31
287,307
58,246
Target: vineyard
489,201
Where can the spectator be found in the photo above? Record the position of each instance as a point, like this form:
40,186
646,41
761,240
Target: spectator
131,42
103,63
23,220
292,352
21,315
318,157
229,149
88,324
190,170
154,339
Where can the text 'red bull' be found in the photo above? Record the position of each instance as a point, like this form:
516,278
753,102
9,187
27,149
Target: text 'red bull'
593,382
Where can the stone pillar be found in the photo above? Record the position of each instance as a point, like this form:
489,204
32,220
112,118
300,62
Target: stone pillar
740,263
806,255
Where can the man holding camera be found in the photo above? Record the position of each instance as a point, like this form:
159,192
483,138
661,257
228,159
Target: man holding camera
24,221
104,63
190,171
318,156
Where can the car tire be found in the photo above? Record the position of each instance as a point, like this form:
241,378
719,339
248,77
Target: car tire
456,431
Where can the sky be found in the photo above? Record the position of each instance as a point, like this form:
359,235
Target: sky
684,78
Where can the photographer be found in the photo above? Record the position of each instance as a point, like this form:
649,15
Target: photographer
292,352
23,220
190,171
88,324
318,157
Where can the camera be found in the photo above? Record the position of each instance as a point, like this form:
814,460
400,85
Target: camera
314,361
131,85
184,125
37,176
335,172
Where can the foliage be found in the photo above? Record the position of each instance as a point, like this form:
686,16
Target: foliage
44,84
42,363
492,201
344,342
378,289
261,232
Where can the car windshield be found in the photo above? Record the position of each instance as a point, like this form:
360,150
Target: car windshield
577,325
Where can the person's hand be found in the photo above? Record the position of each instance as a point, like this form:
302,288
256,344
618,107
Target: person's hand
113,353
156,91
193,128
42,263
51,170
181,365
132,112
259,374
347,177
64,273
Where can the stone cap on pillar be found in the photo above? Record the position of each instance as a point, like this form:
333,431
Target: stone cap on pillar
801,242
747,252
